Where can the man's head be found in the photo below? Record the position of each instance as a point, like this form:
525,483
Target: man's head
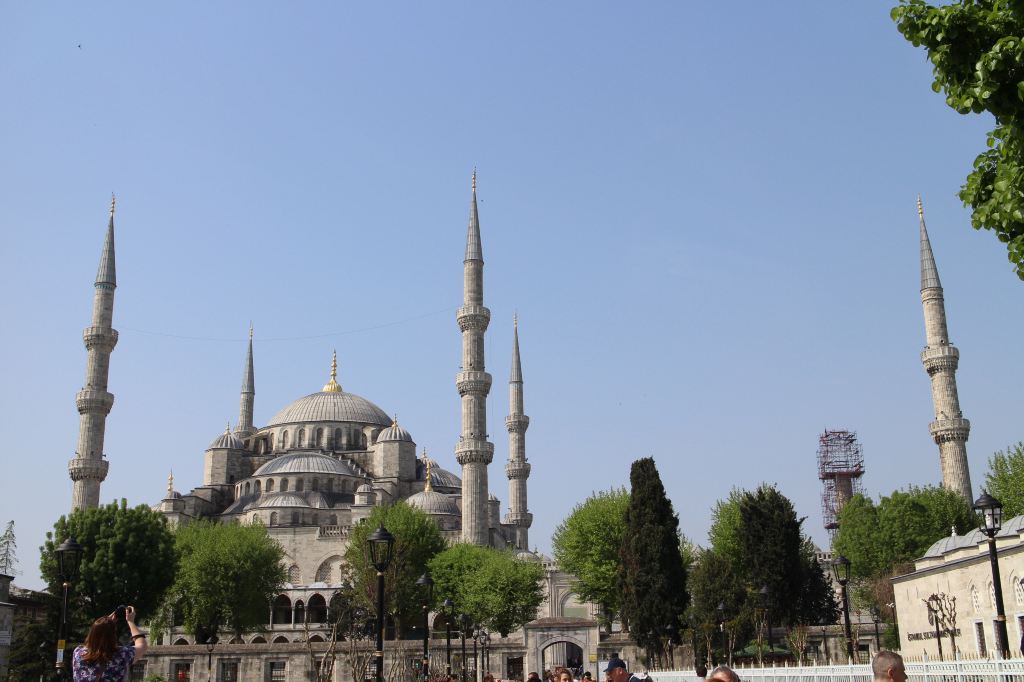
616,670
533,677
887,666
724,673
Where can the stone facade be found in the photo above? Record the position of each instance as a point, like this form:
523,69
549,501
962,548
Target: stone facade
959,567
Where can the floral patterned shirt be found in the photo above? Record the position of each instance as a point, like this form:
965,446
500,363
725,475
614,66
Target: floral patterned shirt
115,671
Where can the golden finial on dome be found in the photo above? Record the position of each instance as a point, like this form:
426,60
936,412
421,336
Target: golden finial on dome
332,385
474,179
113,204
920,207
250,330
429,485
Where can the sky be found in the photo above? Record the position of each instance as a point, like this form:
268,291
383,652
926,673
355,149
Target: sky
703,213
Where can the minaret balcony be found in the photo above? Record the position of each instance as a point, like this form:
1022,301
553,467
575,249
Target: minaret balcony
102,338
519,519
472,382
87,469
473,318
517,469
952,429
517,423
940,358
92,401
471,450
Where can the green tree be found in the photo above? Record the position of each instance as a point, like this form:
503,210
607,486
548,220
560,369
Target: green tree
417,541
1005,479
8,551
490,586
652,579
714,582
771,540
128,558
816,602
724,534
586,545
977,56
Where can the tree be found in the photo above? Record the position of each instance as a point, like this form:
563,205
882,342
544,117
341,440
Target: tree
652,579
771,541
1005,479
586,545
227,575
976,53
417,541
490,586
128,558
724,534
8,551
714,581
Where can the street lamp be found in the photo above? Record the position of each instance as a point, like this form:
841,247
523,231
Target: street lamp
992,520
69,559
485,640
426,584
381,543
210,643
876,617
449,610
476,661
841,571
933,611
670,635
463,624
720,611
766,594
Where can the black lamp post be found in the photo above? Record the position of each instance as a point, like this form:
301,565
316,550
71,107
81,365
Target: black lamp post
381,544
485,640
463,624
841,571
449,609
426,584
476,661
933,610
720,611
670,635
766,596
876,617
992,520
210,643
69,559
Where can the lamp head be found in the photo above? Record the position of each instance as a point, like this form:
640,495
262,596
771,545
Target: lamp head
841,570
991,511
381,543
69,558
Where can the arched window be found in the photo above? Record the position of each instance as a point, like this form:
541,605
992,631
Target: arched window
334,519
284,440
294,574
302,438
337,440
300,612
256,487
1018,590
284,485
327,570
247,488
295,518
315,485
282,611
258,639
329,485
316,638
316,610
273,518
270,485
319,437
299,485
280,639
270,440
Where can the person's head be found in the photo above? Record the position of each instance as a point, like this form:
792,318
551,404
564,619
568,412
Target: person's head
701,670
724,673
616,670
488,677
532,677
101,642
564,675
587,676
887,666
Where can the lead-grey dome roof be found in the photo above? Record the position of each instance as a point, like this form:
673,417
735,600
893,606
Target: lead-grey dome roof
288,499
305,463
327,406
441,478
433,502
226,440
394,432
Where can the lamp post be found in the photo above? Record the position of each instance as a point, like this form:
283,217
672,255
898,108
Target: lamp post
426,584
766,595
841,571
992,520
876,617
720,612
933,611
485,640
670,635
449,608
476,661
381,544
210,643
463,624
69,558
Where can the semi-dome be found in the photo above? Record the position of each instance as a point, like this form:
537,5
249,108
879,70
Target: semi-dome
433,502
226,440
305,463
364,488
442,477
394,433
318,500
331,406
282,500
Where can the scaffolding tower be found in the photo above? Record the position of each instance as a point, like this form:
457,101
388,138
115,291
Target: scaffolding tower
840,467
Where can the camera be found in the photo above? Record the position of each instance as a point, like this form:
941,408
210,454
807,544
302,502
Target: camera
119,612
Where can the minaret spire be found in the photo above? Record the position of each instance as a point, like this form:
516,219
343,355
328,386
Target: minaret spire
89,468
517,469
332,386
245,425
473,451
940,358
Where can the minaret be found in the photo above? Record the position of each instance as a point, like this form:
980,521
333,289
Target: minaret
950,430
517,469
88,468
248,394
473,451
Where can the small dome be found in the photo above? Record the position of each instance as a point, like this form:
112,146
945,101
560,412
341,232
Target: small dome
527,555
288,499
442,478
394,433
1014,526
226,441
364,488
434,503
305,463
971,539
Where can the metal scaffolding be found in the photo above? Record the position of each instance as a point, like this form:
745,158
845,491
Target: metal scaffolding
840,467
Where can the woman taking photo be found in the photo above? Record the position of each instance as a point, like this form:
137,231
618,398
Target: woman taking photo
100,659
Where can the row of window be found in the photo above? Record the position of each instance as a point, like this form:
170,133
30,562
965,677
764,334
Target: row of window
299,485
297,518
1018,594
349,438
181,671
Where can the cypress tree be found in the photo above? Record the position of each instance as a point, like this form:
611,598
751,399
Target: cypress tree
652,580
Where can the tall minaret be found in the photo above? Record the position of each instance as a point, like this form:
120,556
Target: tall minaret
517,469
88,468
950,430
248,394
473,451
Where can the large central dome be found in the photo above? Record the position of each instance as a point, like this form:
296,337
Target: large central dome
331,406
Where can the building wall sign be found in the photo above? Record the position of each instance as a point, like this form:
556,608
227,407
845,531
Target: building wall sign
916,636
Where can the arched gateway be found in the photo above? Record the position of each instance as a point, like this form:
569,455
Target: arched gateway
545,632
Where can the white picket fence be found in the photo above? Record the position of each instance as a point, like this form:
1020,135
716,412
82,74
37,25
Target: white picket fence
1011,670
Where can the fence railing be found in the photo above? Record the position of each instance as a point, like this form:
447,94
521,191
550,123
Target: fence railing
1011,670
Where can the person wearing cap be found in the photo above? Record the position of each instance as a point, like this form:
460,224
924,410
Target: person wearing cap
617,670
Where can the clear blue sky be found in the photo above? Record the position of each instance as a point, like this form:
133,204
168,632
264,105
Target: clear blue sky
703,212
